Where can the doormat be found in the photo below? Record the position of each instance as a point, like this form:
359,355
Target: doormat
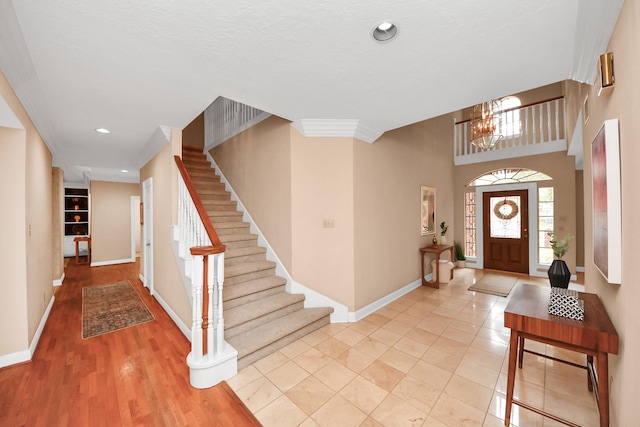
494,284
112,307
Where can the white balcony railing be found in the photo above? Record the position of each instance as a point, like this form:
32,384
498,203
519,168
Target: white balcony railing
225,118
531,129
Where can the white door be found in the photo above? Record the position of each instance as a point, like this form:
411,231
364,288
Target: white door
147,233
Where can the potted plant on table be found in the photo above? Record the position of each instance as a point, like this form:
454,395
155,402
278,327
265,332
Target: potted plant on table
559,274
443,231
462,259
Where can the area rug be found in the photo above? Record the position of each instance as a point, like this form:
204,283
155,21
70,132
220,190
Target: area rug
494,284
108,308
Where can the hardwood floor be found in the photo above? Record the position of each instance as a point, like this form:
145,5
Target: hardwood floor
135,376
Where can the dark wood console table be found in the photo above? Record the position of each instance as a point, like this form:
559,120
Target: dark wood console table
436,250
527,315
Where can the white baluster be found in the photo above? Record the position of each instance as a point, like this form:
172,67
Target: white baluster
550,134
196,291
220,321
212,306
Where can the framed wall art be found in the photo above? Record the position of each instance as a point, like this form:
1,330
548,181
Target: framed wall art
427,210
607,217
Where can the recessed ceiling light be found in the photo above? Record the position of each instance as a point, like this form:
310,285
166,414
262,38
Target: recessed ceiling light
124,170
384,32
103,130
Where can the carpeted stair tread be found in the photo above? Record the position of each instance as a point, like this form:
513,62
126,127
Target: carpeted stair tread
238,224
235,256
238,252
271,332
218,202
247,268
199,165
228,238
256,309
204,193
251,287
225,213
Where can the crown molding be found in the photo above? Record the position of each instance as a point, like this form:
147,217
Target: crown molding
351,128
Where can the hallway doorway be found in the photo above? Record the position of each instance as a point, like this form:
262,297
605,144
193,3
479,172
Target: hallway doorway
506,230
147,233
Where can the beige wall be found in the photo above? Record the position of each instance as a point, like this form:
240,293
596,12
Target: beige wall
322,189
193,133
621,301
13,251
167,280
290,184
257,164
388,175
557,165
28,167
111,220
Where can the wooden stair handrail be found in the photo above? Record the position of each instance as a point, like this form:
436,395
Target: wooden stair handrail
216,247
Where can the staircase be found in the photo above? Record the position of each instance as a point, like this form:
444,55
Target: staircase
260,316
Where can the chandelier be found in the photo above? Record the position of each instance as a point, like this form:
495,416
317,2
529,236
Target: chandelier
486,124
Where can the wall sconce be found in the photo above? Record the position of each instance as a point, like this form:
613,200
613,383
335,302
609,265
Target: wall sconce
607,78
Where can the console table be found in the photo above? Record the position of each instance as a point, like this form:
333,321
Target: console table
527,315
83,239
436,250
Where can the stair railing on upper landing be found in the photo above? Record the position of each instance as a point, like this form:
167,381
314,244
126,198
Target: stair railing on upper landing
530,129
200,246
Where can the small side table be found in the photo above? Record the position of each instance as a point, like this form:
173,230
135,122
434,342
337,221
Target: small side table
436,250
83,239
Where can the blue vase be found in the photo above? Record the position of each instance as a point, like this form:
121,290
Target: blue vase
559,274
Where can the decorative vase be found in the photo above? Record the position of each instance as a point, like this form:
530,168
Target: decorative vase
435,240
443,240
462,263
559,274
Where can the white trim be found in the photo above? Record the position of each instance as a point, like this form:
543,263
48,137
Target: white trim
312,298
135,223
58,282
508,153
26,355
146,234
141,277
579,269
353,128
112,262
176,319
354,316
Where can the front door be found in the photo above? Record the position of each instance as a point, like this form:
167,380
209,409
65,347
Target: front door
505,228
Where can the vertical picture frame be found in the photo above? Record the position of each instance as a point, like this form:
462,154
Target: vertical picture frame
427,210
606,202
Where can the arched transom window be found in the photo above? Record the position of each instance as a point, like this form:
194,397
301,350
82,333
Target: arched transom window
508,176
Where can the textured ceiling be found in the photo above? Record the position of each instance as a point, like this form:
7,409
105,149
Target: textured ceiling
133,66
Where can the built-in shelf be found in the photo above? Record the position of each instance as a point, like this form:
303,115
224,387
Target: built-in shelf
76,212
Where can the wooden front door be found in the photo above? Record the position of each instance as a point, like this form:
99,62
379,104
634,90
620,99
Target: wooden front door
505,229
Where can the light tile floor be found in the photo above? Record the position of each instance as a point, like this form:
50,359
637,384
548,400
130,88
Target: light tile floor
434,357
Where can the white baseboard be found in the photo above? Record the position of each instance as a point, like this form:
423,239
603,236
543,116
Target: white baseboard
112,262
176,319
141,277
26,355
58,282
354,316
579,269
